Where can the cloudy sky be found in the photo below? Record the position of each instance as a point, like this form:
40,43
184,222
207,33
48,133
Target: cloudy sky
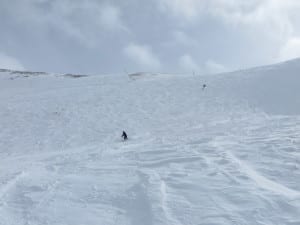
177,36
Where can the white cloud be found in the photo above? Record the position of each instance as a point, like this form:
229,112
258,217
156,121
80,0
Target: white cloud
290,50
276,20
277,16
273,17
142,55
8,62
213,67
238,11
188,64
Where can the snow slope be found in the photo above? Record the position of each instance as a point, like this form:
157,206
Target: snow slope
229,154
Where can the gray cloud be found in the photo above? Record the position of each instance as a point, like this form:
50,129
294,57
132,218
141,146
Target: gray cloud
101,36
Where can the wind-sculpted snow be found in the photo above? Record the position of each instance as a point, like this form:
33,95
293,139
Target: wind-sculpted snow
228,154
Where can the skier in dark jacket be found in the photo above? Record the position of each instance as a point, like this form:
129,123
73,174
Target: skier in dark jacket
124,136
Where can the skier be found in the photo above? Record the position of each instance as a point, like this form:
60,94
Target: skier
203,86
124,136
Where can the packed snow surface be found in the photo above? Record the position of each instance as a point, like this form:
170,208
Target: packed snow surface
225,154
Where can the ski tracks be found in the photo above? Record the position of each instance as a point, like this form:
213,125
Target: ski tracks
262,181
158,192
7,185
224,145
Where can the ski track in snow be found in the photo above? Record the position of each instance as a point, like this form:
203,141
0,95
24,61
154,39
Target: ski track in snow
6,186
193,157
263,181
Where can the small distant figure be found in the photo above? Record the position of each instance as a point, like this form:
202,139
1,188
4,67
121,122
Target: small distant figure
124,136
203,86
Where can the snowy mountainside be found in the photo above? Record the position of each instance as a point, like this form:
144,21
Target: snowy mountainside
228,154
275,89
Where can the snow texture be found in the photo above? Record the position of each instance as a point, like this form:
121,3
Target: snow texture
228,154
